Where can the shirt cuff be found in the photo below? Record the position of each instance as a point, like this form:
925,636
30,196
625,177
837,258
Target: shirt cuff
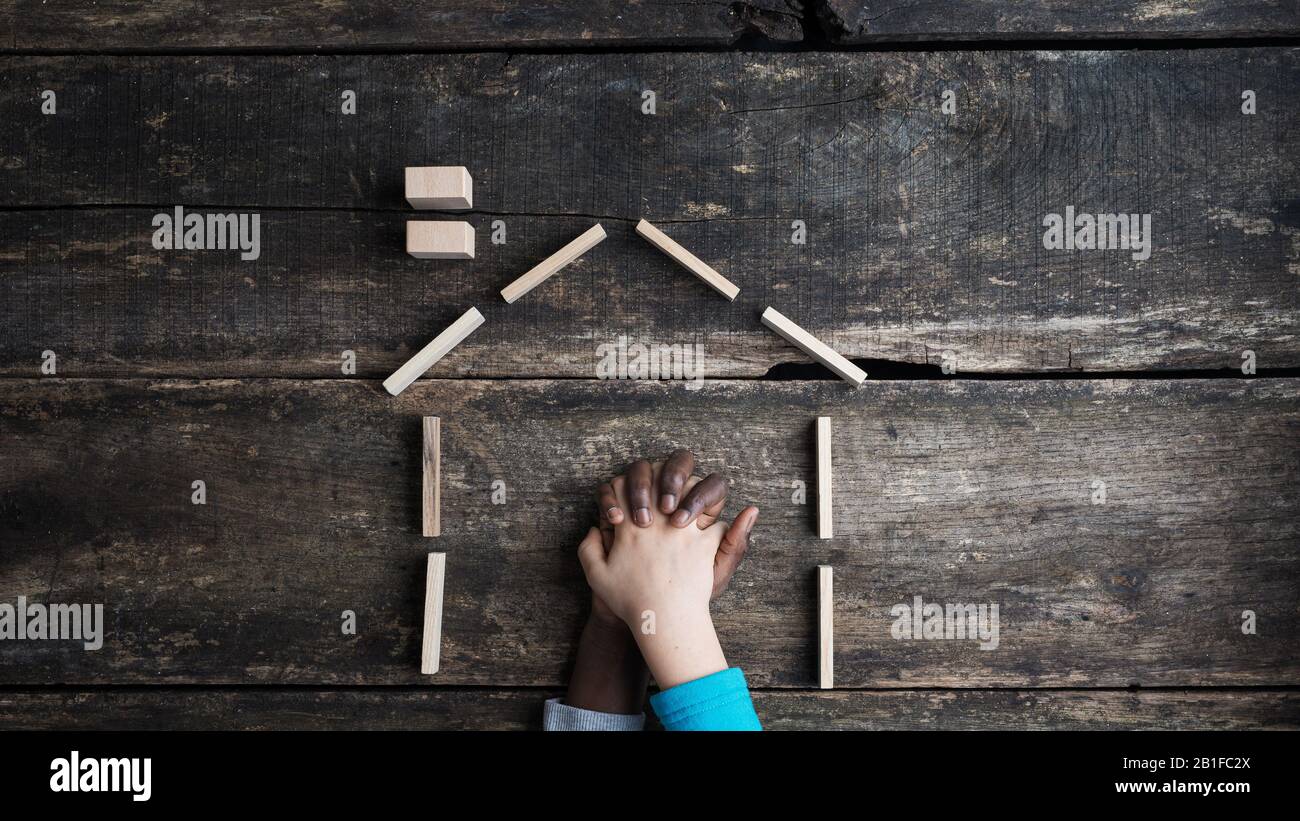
716,702
559,716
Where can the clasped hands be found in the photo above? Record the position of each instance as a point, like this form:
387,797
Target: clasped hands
658,557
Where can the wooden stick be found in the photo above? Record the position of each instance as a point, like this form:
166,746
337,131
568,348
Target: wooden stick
435,350
687,260
825,517
432,496
814,347
427,239
431,642
440,187
825,627
542,271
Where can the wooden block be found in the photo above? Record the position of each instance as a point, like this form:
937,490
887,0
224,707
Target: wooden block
427,239
825,627
814,347
431,353
442,187
431,642
540,273
687,260
825,519
432,459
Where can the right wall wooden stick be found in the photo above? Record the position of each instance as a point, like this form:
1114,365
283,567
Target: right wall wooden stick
431,640
825,627
825,517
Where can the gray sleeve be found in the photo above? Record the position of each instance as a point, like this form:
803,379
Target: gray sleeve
557,716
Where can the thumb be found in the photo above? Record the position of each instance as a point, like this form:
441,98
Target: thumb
591,552
732,549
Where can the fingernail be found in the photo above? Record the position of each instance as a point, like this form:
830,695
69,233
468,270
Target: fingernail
668,503
681,517
642,516
614,514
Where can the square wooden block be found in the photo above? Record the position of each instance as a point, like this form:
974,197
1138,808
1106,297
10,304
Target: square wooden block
440,240
441,188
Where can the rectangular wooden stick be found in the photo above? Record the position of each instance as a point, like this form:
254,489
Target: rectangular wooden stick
687,260
825,517
431,641
440,187
430,239
814,347
825,627
542,271
435,350
432,460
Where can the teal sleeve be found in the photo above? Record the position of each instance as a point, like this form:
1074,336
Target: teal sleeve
716,702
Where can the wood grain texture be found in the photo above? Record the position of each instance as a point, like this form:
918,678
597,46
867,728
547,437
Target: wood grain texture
311,25
924,229
871,21
441,708
960,492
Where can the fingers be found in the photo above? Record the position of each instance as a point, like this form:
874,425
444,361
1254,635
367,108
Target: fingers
711,513
672,479
591,552
640,478
732,549
710,493
611,511
606,534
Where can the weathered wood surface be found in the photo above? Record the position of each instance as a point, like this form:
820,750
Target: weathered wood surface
513,709
924,229
310,25
871,21
960,492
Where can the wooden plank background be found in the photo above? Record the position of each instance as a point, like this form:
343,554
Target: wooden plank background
924,236
311,25
979,492
174,25
924,229
450,708
868,21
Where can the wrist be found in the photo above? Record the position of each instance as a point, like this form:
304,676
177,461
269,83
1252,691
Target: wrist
609,675
681,648
603,621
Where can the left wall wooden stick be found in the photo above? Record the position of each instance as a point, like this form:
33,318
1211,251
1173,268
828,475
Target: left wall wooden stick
432,459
